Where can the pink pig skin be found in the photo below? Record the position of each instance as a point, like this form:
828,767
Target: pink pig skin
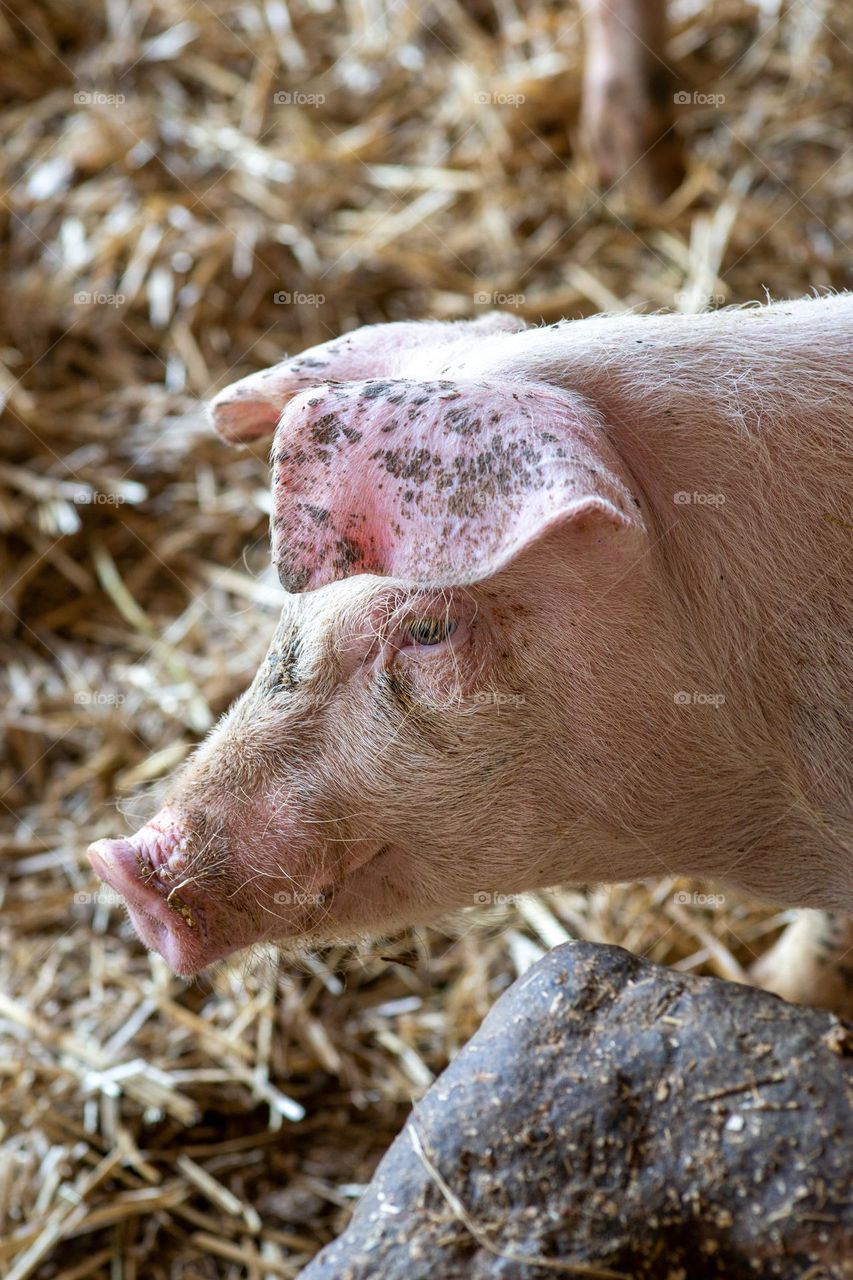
567,605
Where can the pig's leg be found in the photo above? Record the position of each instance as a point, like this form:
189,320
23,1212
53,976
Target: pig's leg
628,98
812,962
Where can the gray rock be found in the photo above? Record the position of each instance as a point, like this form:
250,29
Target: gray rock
612,1117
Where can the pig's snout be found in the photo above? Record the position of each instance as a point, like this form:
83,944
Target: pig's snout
150,871
158,850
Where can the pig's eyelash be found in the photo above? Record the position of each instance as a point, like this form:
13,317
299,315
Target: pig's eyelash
408,606
430,631
425,620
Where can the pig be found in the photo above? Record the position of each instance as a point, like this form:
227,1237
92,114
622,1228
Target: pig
628,100
567,604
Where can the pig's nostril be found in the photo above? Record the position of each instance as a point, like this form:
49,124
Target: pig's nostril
156,854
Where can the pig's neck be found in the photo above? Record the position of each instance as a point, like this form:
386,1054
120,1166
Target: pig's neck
737,428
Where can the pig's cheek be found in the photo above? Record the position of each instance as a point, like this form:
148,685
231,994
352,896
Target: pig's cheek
443,679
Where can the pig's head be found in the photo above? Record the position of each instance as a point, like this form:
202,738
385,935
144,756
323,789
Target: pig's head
470,624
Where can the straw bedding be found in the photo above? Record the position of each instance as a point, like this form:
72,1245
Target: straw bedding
191,191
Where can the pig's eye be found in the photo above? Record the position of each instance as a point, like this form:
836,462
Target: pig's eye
431,630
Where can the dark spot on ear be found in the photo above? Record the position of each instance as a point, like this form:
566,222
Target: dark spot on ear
326,429
461,421
412,464
293,577
319,515
351,434
348,554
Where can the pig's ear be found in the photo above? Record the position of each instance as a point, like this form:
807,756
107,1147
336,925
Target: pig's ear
250,409
437,483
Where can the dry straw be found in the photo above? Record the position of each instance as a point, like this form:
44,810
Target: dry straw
190,191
